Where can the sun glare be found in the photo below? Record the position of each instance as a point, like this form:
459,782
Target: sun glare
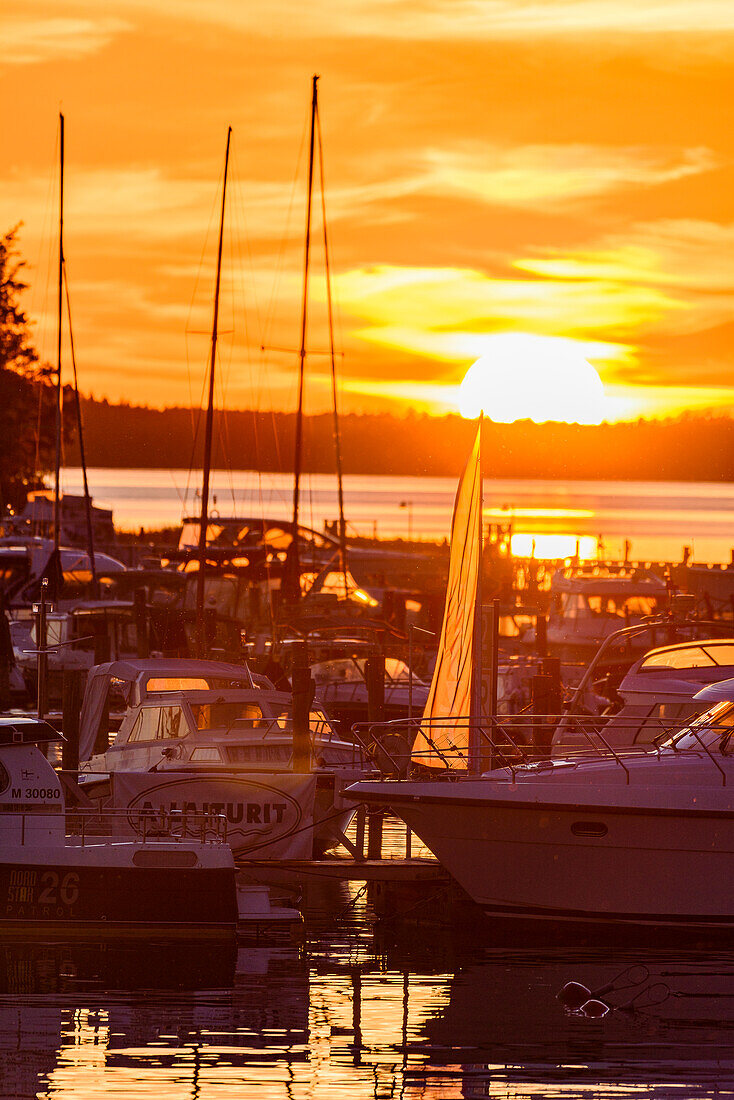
526,377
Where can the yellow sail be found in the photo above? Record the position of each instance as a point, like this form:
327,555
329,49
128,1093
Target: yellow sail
443,740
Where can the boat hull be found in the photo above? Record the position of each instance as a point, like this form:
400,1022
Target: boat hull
73,895
535,860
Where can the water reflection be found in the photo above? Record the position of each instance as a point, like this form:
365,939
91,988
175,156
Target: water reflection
351,1015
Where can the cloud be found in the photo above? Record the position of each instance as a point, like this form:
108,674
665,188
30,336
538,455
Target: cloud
557,174
455,300
29,40
439,20
670,252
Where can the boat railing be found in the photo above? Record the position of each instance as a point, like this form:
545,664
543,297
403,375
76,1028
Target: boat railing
89,825
420,748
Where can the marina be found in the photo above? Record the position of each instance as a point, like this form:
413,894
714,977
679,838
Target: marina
367,553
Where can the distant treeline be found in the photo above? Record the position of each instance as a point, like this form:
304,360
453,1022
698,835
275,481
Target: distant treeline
692,448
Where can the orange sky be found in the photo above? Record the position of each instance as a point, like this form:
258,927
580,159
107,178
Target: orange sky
563,168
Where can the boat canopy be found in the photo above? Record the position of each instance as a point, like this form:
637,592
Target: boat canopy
134,679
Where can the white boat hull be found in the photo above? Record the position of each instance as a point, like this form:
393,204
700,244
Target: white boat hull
612,864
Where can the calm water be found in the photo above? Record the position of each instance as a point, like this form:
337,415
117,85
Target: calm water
659,518
359,1012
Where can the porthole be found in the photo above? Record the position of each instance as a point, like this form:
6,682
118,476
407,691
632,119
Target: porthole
589,828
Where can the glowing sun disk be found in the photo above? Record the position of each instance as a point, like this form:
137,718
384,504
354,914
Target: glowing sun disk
526,377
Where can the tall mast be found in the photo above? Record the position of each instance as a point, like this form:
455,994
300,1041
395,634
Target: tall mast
200,626
57,462
296,564
337,435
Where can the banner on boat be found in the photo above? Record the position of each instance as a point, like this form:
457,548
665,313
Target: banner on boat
267,817
443,740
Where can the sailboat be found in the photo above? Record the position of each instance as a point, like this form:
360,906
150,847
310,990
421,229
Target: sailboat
450,733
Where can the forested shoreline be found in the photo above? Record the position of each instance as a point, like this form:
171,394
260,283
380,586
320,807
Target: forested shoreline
691,448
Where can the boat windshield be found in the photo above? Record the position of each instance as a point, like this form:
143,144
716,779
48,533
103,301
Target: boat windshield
232,715
227,714
716,725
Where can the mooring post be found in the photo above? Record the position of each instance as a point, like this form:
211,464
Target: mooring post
359,838
42,659
140,610
303,692
102,649
552,669
375,678
541,633
6,656
71,707
102,737
546,701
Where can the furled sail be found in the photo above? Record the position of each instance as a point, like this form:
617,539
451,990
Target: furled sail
443,740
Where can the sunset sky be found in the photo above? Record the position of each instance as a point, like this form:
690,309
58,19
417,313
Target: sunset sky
557,168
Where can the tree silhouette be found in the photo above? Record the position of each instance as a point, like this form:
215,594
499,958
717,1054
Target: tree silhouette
26,409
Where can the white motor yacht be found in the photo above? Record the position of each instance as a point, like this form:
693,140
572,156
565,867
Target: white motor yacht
210,745
59,873
590,602
644,836
658,692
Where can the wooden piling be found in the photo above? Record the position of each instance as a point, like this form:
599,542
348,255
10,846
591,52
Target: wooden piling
303,692
141,623
102,649
374,833
6,656
71,706
102,737
375,680
42,657
541,634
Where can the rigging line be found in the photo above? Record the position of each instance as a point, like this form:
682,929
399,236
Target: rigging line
280,263
43,259
254,374
195,410
280,260
80,430
260,378
335,403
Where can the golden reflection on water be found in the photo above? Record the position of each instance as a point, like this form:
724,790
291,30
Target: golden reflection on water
359,1011
349,1016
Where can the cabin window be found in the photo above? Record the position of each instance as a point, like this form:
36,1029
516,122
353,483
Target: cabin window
721,654
158,724
662,717
259,754
210,755
225,715
278,539
318,723
713,726
690,657
176,683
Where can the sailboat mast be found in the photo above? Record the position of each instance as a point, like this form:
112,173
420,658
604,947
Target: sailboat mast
58,395
476,716
337,435
200,584
296,564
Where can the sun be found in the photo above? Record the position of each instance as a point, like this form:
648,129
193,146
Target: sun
526,377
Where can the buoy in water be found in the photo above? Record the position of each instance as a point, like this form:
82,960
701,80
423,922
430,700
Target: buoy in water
573,995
